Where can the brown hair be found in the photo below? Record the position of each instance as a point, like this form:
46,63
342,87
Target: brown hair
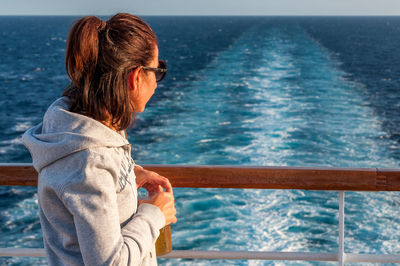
98,57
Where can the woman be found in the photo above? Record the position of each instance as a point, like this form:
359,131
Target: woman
88,181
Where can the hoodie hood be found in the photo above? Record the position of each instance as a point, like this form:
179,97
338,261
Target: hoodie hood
63,132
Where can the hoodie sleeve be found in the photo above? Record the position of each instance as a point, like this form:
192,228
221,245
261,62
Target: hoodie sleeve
93,204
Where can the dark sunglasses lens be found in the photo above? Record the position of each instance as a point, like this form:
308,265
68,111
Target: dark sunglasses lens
161,74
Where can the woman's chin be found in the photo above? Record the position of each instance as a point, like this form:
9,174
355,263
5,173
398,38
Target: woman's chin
140,110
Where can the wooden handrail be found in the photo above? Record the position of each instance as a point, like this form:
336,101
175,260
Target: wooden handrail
261,177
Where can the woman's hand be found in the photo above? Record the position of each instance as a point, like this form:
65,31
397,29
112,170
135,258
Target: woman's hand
151,181
155,185
166,202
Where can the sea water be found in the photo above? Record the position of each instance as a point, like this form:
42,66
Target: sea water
271,91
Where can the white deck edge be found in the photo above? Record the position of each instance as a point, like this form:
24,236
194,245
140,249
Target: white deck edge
235,255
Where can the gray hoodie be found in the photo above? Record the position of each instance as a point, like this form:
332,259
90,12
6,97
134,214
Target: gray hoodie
87,193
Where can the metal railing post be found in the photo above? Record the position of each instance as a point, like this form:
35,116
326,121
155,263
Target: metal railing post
341,255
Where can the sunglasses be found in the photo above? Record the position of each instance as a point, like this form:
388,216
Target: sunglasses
160,71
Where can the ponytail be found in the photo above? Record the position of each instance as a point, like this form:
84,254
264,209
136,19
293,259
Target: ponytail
82,52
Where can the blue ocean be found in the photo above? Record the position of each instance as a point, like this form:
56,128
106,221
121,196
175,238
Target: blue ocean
267,91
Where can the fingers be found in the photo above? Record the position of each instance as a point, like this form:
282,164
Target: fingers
168,187
155,185
171,211
153,188
166,202
153,192
155,180
171,216
171,221
163,182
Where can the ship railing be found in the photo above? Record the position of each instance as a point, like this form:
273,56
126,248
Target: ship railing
250,177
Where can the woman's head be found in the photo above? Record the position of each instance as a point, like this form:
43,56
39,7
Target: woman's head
99,60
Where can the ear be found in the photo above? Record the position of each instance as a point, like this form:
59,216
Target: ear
134,78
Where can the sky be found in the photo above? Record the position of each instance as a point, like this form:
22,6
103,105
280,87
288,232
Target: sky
201,7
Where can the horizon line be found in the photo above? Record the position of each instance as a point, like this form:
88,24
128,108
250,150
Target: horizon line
200,15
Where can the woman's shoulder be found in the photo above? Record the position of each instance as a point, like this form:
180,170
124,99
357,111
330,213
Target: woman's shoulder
88,167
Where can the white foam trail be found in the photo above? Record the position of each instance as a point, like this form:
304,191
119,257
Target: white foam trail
297,117
281,115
